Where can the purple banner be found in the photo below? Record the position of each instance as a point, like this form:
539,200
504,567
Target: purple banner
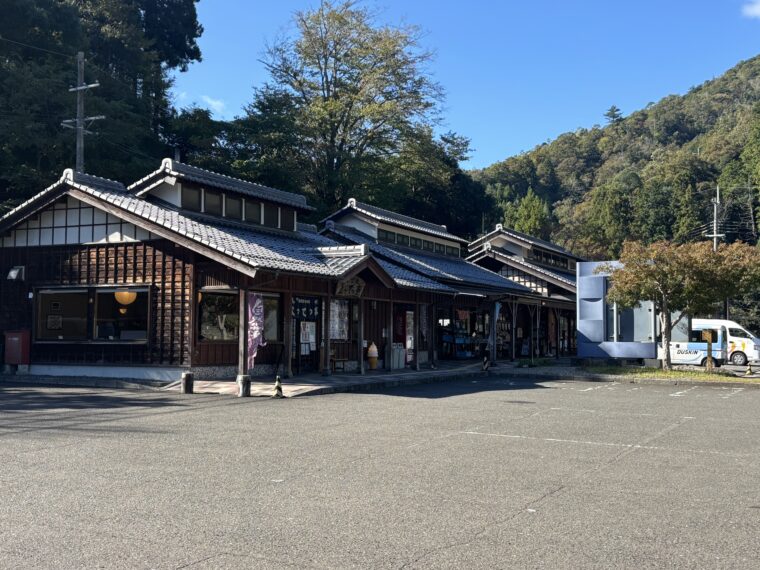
255,326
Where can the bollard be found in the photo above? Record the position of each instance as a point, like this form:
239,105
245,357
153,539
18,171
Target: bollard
244,385
277,388
186,384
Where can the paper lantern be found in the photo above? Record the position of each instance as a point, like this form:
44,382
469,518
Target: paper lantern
125,297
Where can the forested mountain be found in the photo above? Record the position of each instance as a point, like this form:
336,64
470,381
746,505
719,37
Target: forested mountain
649,176
131,47
350,109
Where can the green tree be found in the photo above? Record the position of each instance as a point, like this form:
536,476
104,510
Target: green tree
531,216
613,115
684,279
357,88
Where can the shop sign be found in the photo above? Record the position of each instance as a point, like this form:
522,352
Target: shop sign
353,287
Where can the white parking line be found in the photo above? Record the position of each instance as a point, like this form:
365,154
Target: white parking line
682,392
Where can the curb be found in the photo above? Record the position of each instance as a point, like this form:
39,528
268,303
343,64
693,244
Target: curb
83,382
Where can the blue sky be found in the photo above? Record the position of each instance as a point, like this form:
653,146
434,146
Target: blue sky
516,73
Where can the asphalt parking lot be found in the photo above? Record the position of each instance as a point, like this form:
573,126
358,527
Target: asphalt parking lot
487,474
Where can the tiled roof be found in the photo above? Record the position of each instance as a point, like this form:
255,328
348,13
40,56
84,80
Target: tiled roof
452,271
520,262
198,175
298,253
69,176
383,215
411,280
525,238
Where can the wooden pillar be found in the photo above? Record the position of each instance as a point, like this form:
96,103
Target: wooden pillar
513,309
556,327
432,344
326,370
360,337
243,333
389,338
287,331
416,335
492,333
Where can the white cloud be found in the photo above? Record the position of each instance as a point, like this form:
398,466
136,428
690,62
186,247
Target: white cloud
751,9
182,96
217,105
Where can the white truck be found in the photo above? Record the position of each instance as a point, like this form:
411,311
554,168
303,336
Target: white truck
743,346
695,351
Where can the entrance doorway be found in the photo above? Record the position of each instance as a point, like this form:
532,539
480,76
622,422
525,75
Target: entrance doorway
404,345
306,335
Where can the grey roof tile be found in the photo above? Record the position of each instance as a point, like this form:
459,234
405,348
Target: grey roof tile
387,216
453,271
198,175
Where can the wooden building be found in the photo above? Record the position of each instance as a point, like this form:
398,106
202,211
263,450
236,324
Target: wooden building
542,322
188,269
464,320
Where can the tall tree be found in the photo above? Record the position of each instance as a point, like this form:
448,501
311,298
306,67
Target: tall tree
613,115
531,215
685,279
358,88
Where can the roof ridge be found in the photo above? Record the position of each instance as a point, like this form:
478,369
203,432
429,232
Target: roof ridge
353,202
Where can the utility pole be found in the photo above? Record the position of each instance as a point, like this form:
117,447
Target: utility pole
79,122
715,235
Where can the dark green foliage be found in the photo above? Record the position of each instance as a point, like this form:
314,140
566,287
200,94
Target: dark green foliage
130,46
651,175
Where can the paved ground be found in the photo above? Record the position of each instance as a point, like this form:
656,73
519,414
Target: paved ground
454,475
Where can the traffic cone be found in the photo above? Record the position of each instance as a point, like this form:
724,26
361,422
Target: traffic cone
277,388
749,369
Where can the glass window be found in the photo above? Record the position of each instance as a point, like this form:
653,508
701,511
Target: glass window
212,203
272,319
415,242
62,315
121,315
428,245
401,239
386,236
288,219
253,211
233,208
271,216
191,198
218,315
739,333
339,319
452,251
440,248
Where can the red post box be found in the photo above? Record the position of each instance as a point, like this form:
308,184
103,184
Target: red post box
17,347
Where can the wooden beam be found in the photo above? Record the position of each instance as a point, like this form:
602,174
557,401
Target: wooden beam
326,370
243,332
287,309
165,233
360,336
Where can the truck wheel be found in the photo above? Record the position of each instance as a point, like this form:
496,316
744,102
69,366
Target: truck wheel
738,359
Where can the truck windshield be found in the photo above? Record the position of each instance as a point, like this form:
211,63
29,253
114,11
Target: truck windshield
741,333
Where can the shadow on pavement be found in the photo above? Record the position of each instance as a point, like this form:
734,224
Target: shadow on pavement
449,389
25,398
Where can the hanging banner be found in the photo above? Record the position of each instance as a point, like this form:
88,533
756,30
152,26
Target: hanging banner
306,308
255,326
339,319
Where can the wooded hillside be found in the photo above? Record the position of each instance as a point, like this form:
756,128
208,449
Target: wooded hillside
649,176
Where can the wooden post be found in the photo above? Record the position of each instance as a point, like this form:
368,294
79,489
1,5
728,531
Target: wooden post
513,309
432,345
556,323
416,335
243,333
360,337
326,334
287,310
389,338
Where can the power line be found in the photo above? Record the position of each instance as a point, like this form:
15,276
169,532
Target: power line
30,46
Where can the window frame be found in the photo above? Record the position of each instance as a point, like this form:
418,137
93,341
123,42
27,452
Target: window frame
215,291
92,291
